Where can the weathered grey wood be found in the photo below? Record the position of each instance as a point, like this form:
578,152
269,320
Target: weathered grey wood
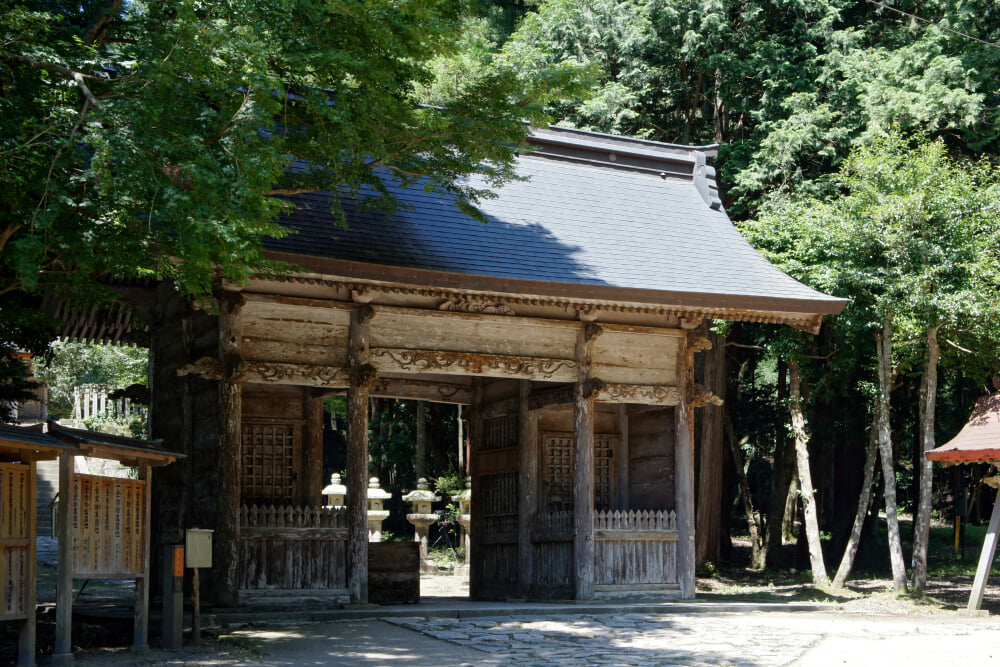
475,415
312,464
711,458
641,394
306,375
583,472
985,560
423,390
394,572
684,488
230,451
26,637
140,626
362,375
63,650
543,398
528,499
623,457
404,360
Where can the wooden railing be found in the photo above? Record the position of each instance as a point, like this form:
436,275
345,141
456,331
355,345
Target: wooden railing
635,548
293,548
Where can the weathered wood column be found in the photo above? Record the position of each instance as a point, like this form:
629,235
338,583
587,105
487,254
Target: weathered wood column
312,466
527,503
475,415
27,636
684,448
362,376
584,393
140,625
230,448
62,653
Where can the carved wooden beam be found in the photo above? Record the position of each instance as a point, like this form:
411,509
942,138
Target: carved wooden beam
542,398
399,360
207,368
641,394
308,375
422,390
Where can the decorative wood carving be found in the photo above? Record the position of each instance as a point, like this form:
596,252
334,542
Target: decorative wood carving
643,394
701,398
463,305
697,342
298,374
462,363
422,390
554,396
208,368
508,406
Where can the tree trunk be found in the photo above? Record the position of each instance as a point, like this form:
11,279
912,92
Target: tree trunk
709,533
851,550
784,462
820,577
756,547
884,347
421,462
922,522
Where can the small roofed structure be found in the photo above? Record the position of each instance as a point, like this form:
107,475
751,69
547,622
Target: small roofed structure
20,450
978,442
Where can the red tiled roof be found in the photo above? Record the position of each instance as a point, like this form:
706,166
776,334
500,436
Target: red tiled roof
979,439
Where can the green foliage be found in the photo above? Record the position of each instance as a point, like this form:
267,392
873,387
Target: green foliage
73,366
450,483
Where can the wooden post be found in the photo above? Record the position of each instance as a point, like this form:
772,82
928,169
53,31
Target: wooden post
140,626
63,650
230,449
26,639
195,607
312,465
623,456
583,471
527,503
476,521
362,375
985,560
684,489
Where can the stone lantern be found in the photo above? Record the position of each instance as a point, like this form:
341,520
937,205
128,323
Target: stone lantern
464,499
376,515
334,492
422,516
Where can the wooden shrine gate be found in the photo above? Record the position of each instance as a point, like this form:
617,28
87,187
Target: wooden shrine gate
17,554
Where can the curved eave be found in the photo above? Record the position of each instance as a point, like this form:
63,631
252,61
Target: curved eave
801,313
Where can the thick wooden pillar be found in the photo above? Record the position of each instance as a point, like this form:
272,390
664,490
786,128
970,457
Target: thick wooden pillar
475,415
312,465
63,651
684,489
26,638
584,393
140,625
230,450
623,457
527,503
362,376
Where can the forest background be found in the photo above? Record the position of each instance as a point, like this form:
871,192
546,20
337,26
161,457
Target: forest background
857,143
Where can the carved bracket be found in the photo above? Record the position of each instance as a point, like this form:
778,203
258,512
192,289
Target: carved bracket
208,368
697,343
592,388
465,363
592,331
364,375
642,394
702,398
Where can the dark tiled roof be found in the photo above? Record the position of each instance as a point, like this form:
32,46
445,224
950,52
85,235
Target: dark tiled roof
979,439
593,210
30,437
128,447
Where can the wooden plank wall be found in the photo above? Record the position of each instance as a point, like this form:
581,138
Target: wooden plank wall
552,545
107,527
635,548
291,548
15,540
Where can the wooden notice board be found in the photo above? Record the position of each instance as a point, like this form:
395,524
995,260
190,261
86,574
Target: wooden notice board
107,527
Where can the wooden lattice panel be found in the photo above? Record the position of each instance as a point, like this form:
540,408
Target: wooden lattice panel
270,462
558,458
107,527
499,494
15,539
500,432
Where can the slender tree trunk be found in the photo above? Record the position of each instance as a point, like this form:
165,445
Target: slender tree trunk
781,476
851,550
922,522
708,537
756,544
421,462
820,577
884,347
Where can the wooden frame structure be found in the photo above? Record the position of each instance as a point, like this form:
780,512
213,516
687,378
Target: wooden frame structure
568,325
978,442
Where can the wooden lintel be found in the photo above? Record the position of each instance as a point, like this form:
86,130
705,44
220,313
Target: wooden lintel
399,360
542,398
308,375
641,394
422,390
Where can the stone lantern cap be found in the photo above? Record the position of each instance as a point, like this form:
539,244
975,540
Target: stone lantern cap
375,491
465,495
335,488
422,494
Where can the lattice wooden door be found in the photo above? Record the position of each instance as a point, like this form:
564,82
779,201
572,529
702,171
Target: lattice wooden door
270,463
557,471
